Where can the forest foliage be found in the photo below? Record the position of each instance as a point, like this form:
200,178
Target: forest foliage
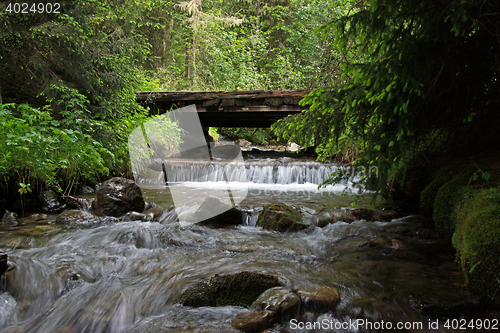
68,79
395,80
419,79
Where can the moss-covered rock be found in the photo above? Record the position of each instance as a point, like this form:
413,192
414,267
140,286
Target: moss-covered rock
428,195
477,240
405,185
280,217
240,289
448,200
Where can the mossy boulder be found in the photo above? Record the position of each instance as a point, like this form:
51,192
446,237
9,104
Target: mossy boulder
428,195
280,217
240,289
477,240
448,200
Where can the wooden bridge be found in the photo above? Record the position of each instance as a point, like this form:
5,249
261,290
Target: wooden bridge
245,108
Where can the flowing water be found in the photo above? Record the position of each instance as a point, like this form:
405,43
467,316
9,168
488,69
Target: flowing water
128,276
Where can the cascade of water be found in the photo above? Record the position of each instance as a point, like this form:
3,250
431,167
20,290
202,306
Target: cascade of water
270,171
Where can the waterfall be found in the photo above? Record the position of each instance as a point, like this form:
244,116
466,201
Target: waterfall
280,171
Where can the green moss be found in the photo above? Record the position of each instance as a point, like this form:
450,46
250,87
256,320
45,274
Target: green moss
448,199
280,217
428,195
477,240
240,289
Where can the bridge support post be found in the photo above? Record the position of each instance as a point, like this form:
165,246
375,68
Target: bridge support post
209,140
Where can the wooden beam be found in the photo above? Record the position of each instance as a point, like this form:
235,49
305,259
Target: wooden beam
165,96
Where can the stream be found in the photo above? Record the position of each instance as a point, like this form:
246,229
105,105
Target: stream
128,276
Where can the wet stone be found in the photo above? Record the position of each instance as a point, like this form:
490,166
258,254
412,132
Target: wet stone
397,244
135,216
319,297
36,217
240,289
77,218
77,203
278,299
377,242
396,228
50,201
9,218
118,196
251,321
280,217
373,215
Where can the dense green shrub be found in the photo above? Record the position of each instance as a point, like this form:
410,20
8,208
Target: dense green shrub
35,145
260,136
41,148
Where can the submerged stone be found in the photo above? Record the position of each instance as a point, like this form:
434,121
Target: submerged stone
239,289
118,196
251,321
280,217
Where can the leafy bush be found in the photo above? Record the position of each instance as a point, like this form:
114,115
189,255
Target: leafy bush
261,136
35,145
43,148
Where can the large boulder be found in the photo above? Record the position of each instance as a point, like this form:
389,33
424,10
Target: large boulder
224,214
239,289
280,217
118,196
